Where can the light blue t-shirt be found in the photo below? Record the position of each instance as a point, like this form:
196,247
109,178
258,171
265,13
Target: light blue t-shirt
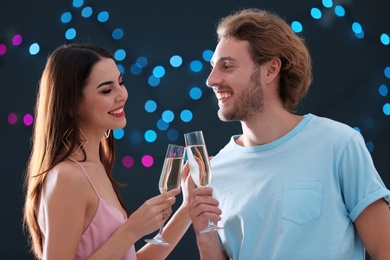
298,196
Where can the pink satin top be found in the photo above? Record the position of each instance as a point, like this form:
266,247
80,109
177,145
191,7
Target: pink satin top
106,221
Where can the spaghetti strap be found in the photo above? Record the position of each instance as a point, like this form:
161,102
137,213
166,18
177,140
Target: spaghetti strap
86,174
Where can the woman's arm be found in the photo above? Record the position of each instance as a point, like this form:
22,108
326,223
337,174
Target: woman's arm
64,200
175,229
143,221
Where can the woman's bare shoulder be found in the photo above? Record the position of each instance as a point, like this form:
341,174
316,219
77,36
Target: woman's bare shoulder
66,177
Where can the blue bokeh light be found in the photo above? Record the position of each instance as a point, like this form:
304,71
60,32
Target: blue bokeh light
103,16
357,28
121,68
208,55
141,62
136,137
186,115
34,49
168,116
370,146
66,17
195,93
339,10
118,133
196,66
296,27
70,34
150,136
120,54
360,35
117,34
162,125
316,13
172,134
386,109
383,90
78,3
86,12
159,71
153,81
136,70
387,72
150,106
176,61
385,39
327,3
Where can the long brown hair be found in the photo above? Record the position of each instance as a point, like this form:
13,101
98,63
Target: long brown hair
271,37
60,91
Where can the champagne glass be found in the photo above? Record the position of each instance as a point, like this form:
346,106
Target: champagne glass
170,179
198,160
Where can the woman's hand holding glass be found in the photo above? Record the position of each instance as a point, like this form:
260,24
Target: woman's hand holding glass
170,179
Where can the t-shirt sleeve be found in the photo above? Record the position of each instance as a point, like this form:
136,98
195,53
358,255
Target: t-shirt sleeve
360,182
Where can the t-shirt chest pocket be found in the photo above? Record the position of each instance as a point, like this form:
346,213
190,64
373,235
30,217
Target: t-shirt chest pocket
302,201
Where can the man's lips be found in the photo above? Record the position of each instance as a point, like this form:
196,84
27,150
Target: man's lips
221,95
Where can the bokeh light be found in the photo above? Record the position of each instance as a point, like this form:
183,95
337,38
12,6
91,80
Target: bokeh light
28,119
176,61
87,12
316,13
103,17
150,136
12,118
127,161
150,106
296,26
66,17
34,48
196,66
17,40
168,116
147,161
118,133
117,34
3,49
70,34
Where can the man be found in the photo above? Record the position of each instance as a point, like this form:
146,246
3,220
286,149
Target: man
290,186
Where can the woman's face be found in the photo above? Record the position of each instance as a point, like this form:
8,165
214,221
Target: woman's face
104,98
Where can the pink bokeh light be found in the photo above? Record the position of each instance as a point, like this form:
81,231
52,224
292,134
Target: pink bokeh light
12,118
127,161
28,119
17,40
3,49
147,160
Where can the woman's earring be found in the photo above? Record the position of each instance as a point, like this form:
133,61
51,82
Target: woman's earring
83,140
107,134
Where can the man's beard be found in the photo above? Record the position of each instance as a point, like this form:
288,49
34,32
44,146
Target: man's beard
248,103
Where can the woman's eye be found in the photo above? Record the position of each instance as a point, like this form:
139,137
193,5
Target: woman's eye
122,83
106,91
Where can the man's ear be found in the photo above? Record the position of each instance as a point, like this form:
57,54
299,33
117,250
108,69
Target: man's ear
273,69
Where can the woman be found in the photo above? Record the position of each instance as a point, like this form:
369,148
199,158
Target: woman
73,209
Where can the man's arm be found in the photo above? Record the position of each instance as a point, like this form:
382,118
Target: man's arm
202,208
373,226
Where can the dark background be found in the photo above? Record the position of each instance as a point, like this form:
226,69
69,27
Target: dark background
347,74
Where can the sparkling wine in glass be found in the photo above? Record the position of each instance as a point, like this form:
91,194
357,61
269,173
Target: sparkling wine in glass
170,179
198,160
